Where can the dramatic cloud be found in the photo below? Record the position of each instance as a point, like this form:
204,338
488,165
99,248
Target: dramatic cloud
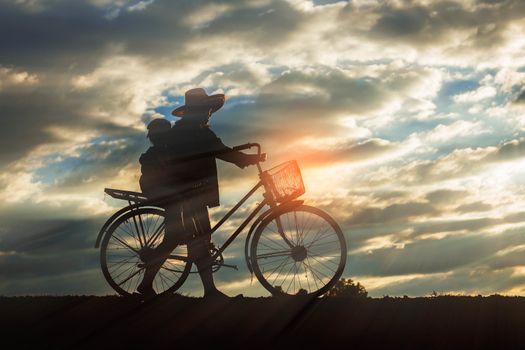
406,117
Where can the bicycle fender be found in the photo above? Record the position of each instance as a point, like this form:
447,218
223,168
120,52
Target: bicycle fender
114,217
257,222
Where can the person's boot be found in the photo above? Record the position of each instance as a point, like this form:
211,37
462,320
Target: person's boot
145,288
146,292
153,261
204,266
210,290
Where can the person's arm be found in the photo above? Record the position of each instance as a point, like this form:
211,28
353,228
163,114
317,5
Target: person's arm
229,155
238,158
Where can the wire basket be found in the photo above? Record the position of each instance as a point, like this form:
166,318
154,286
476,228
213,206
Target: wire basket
286,182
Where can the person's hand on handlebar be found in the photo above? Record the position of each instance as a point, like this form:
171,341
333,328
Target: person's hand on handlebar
252,159
242,159
261,157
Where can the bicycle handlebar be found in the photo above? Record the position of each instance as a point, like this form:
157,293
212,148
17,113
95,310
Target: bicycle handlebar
248,146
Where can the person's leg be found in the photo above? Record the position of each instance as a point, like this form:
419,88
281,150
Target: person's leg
199,248
174,229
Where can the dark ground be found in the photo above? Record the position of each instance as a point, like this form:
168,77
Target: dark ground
178,322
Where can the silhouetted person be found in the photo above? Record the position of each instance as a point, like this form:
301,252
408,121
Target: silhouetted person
154,180
193,148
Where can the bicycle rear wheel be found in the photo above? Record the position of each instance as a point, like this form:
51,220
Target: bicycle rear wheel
298,251
131,237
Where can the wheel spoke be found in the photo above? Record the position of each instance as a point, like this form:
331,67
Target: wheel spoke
126,231
279,246
297,270
118,269
312,271
287,274
171,270
126,245
324,243
124,261
306,275
274,254
167,277
138,231
299,235
325,256
324,266
280,235
155,235
293,276
285,263
130,277
318,236
268,262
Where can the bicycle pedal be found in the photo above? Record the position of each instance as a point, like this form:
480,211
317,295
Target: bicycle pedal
231,266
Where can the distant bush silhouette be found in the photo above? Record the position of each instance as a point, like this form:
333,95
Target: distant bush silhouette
345,287
280,292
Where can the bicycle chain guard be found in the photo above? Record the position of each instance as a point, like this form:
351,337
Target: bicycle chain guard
219,261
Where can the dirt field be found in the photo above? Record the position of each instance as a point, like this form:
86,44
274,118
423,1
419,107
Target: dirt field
176,322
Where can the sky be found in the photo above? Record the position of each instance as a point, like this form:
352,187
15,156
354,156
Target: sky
406,117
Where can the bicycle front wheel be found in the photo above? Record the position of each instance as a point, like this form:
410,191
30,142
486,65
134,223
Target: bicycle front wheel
298,251
128,240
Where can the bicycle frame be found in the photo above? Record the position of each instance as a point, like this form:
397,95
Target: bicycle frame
246,221
268,200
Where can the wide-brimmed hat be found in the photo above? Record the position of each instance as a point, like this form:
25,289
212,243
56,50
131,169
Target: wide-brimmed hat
198,98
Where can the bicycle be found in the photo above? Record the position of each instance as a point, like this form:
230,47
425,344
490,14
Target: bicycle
292,248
